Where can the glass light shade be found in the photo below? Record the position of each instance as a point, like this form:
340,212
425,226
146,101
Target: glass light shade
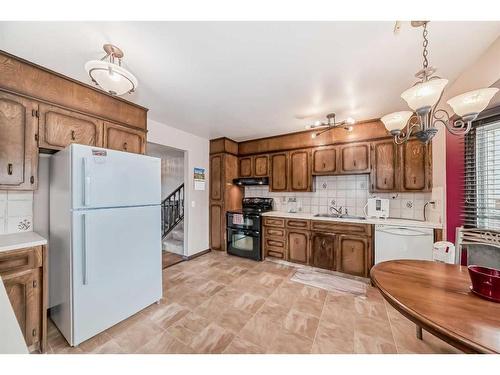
424,94
350,121
396,120
110,77
472,102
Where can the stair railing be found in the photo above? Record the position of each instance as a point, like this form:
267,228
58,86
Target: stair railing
172,210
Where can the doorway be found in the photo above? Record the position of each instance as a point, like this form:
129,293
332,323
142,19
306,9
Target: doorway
173,201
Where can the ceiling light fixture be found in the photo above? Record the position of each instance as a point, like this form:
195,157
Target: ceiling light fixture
109,74
423,98
330,124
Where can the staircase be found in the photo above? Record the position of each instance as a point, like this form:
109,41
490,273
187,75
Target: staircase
172,221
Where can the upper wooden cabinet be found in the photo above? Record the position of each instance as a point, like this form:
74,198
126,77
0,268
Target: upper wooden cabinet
300,170
121,138
384,171
354,158
59,128
245,167
279,172
18,148
416,166
324,161
260,165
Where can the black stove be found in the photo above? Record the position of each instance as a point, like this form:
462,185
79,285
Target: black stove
244,228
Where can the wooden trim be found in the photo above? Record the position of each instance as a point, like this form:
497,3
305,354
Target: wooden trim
26,78
223,145
190,257
45,297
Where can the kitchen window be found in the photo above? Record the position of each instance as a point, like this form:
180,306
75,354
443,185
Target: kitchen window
482,175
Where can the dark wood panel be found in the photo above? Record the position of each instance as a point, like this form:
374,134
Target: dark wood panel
363,131
20,76
274,232
216,171
217,226
261,165
300,171
297,223
415,165
223,145
339,227
245,167
233,194
274,222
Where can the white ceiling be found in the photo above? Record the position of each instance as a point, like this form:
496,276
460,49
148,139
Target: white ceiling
251,79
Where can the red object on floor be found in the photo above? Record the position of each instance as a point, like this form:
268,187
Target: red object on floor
485,282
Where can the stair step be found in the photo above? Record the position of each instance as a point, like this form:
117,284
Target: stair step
173,246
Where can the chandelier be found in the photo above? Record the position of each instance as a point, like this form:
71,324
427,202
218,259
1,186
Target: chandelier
109,74
330,124
423,98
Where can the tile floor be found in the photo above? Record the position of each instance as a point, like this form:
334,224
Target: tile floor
223,304
168,259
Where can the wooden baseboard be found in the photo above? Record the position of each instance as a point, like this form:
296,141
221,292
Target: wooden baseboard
197,254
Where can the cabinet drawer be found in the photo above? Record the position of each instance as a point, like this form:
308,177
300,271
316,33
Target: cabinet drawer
274,232
120,138
274,222
20,260
298,224
274,243
335,227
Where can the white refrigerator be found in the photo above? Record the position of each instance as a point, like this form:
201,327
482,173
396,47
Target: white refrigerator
105,238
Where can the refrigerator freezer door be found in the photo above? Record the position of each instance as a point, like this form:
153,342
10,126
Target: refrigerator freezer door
116,266
107,178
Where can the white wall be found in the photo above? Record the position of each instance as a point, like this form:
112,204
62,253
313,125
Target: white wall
197,155
172,166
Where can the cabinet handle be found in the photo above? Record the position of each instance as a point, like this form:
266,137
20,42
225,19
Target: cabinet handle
73,135
33,333
10,167
125,146
385,181
354,162
414,180
35,284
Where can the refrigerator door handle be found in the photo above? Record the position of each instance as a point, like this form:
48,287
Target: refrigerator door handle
86,187
84,248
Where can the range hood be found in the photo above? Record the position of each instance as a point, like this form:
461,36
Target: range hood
251,181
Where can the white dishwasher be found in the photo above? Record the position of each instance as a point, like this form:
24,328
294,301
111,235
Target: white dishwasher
399,242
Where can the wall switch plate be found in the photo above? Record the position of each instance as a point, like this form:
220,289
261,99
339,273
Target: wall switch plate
193,203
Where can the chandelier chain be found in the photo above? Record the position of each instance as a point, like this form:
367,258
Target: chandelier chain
425,43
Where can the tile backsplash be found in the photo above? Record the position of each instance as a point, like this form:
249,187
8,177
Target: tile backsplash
16,211
351,193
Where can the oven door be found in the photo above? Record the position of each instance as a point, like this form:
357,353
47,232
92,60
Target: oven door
244,243
243,221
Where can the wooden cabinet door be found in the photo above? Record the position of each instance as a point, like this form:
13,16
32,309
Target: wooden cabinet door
298,246
245,167
261,166
415,166
354,158
324,161
384,166
24,292
279,172
18,148
217,227
323,251
353,255
216,169
120,138
59,128
300,171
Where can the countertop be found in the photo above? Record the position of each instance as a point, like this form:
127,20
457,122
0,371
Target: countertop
400,222
20,240
11,339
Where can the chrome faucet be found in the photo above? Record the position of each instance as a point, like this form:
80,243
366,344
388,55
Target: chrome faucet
337,211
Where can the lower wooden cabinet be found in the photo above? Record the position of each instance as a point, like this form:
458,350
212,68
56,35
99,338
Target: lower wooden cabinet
217,227
298,246
117,137
353,255
323,250
331,245
24,276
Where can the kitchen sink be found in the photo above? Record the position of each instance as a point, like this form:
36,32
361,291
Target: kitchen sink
341,216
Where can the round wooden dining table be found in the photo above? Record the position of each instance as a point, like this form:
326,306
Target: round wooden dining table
437,298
